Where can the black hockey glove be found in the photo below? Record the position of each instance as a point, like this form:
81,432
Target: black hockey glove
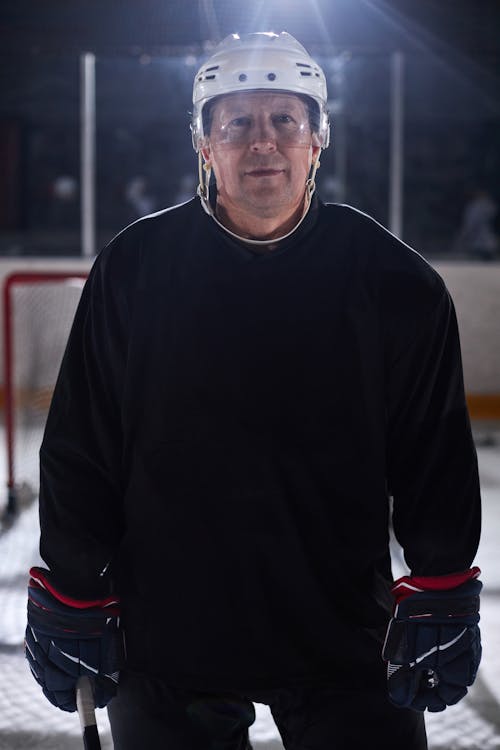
67,638
433,643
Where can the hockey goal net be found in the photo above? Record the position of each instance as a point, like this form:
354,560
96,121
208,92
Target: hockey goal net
38,310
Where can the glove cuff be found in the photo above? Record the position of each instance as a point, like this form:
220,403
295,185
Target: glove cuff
408,585
41,578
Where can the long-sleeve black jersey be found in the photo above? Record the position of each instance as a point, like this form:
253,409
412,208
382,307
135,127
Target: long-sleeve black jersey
225,434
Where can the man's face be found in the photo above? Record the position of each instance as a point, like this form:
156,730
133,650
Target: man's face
261,148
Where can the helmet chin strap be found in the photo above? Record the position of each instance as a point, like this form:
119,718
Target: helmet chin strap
203,192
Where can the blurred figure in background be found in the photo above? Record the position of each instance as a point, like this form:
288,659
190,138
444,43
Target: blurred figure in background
477,237
139,197
186,189
64,201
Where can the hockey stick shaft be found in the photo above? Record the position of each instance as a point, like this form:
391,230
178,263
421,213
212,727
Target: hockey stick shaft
86,712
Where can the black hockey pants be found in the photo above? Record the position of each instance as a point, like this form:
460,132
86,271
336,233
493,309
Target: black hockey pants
146,713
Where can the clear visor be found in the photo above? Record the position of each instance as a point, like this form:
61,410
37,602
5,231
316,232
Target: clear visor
241,121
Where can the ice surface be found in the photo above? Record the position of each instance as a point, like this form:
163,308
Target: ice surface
27,721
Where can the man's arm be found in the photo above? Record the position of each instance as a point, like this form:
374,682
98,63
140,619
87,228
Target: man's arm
73,623
432,463
81,483
433,646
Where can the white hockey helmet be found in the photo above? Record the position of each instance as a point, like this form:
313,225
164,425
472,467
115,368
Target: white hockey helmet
259,61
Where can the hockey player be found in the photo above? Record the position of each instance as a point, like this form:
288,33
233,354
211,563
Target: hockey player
250,377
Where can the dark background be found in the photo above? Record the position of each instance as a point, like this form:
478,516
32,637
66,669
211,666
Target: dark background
147,52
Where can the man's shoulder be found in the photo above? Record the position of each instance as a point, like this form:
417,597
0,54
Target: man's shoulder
146,232
346,213
387,252
150,240
365,233
365,227
399,271
171,217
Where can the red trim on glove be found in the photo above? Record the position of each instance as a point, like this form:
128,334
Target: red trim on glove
38,577
408,585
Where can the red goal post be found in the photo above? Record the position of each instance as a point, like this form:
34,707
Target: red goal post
38,310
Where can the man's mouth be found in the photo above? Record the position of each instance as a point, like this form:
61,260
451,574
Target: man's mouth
261,172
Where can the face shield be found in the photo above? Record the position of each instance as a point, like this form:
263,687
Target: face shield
239,120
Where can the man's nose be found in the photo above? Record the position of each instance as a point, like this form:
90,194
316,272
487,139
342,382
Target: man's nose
263,137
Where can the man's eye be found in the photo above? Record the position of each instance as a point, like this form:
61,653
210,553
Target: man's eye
240,122
284,119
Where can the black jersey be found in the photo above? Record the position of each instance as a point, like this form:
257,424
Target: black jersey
227,430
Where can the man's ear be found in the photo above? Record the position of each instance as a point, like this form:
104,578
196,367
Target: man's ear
316,150
205,152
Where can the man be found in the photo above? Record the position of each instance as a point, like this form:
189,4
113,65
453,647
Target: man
246,384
